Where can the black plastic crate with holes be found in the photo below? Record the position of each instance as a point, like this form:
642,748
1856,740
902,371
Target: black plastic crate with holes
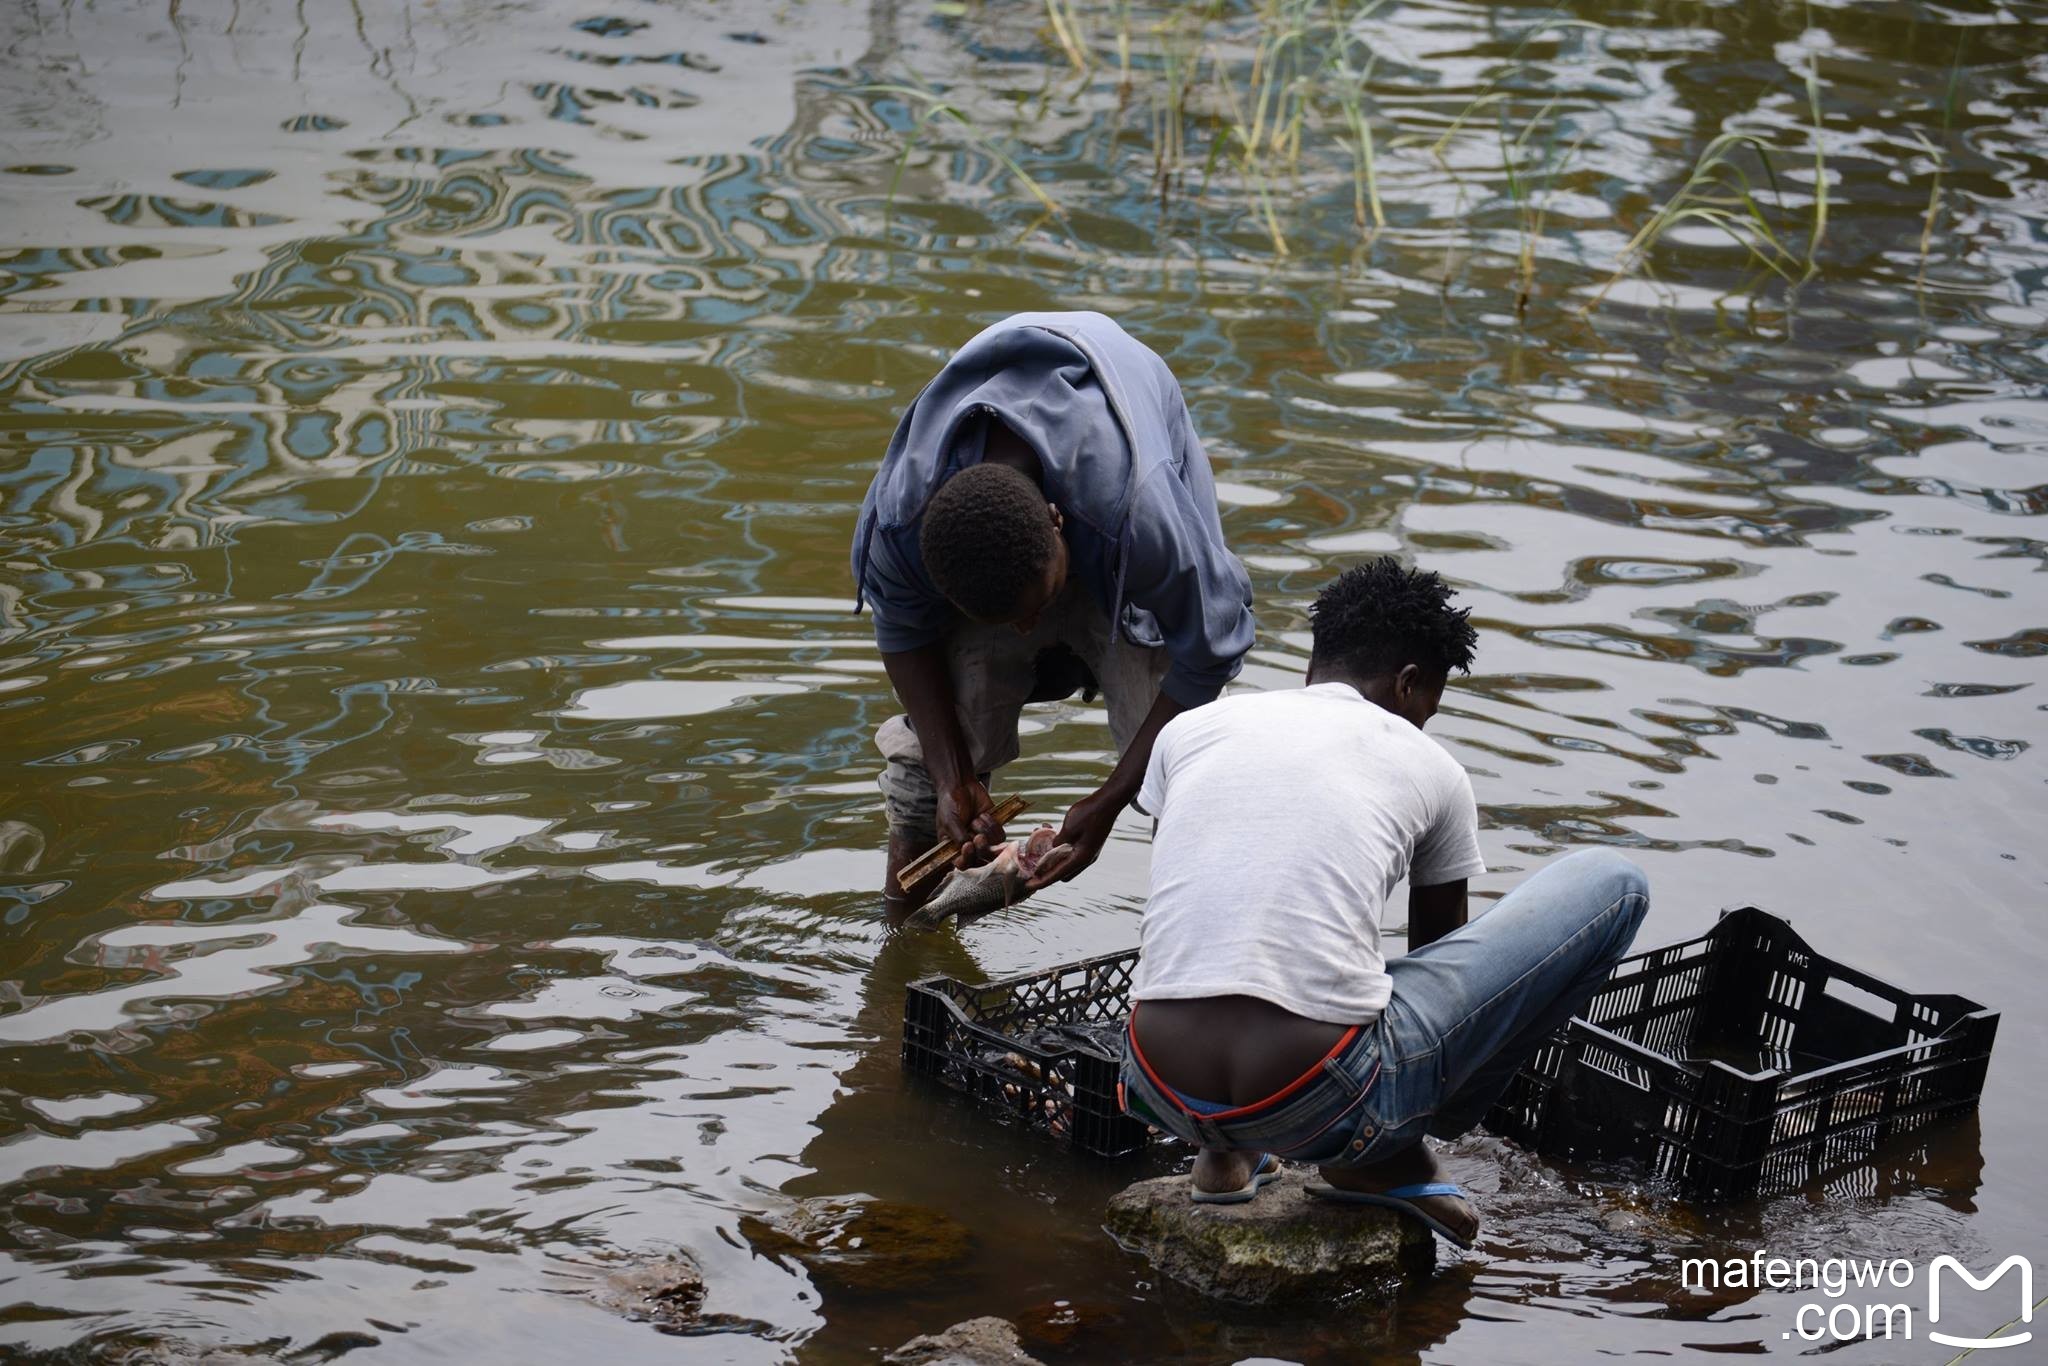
1735,1064
1041,1047
1744,1063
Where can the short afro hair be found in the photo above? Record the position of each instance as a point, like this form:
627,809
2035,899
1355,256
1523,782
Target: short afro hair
1380,616
987,539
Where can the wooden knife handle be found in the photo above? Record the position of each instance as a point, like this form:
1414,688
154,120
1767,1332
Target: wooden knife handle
944,852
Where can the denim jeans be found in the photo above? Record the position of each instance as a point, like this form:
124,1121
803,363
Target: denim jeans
1466,1012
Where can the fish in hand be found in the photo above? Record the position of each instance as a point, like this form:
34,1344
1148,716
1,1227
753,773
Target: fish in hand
973,892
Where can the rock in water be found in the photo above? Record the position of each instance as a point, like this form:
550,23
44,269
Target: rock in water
1283,1246
667,1292
176,1351
864,1247
977,1342
1062,1327
973,892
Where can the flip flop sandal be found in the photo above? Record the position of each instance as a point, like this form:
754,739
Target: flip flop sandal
1401,1198
1267,1170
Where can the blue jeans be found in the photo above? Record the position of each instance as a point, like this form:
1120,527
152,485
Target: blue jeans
1466,1012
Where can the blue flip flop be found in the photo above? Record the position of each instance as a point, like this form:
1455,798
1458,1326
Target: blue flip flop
1401,1198
1267,1170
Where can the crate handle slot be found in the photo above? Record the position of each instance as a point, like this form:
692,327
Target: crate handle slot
1849,994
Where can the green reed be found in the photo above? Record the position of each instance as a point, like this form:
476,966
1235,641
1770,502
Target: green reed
1820,169
1938,155
1367,210
1529,189
1720,194
1268,86
934,108
1065,22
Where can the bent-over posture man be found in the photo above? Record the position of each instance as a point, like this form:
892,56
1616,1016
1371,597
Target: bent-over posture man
1044,522
1268,1023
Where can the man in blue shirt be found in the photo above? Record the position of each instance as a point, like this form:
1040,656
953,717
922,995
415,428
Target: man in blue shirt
1044,520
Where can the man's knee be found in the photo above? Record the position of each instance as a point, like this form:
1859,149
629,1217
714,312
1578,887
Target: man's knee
1606,871
898,742
1608,880
908,797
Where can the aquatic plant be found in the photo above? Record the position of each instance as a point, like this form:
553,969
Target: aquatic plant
1938,154
1289,89
1276,86
1719,194
933,107
1365,185
1530,192
1066,28
1820,169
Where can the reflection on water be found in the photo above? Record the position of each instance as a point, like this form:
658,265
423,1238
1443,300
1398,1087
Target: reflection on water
440,826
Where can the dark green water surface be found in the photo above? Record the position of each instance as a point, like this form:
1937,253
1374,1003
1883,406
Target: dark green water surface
438,837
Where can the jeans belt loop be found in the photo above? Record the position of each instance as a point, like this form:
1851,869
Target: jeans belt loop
1353,1088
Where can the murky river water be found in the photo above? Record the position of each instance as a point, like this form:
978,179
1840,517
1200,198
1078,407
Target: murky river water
440,835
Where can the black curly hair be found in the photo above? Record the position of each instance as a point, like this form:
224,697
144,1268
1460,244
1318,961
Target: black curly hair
1381,615
987,539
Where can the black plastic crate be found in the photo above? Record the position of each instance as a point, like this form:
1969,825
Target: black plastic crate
1735,1064
1744,1063
1041,1047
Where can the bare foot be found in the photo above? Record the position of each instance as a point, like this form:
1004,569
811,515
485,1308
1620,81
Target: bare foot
1410,1167
1218,1170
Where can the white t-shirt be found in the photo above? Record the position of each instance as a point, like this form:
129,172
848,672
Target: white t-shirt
1285,820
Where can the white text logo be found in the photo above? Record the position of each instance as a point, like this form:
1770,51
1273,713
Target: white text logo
1934,1270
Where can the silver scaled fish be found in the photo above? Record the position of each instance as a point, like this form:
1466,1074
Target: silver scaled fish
973,892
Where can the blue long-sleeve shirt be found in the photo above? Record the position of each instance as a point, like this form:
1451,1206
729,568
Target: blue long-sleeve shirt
1120,458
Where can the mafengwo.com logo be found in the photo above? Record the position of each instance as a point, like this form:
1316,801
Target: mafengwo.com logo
2003,1339
1868,1298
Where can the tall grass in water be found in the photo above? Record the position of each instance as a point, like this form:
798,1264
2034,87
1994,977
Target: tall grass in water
1301,77
1304,76
1261,125
1820,169
1720,194
1267,92
1531,193
1367,210
1938,154
1065,22
933,108
1180,39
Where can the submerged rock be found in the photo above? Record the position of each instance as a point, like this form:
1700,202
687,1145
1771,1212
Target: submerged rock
1061,1326
867,1247
175,1351
1283,1246
668,1293
977,1342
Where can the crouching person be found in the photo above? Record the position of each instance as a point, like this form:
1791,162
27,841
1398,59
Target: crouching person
1267,1023
1044,522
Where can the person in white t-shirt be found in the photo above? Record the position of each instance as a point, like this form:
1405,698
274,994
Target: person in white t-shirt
1267,1023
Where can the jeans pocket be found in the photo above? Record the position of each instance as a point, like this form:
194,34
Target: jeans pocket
1350,1113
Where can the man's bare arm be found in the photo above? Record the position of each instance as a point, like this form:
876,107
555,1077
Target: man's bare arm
1088,823
924,685
1434,912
